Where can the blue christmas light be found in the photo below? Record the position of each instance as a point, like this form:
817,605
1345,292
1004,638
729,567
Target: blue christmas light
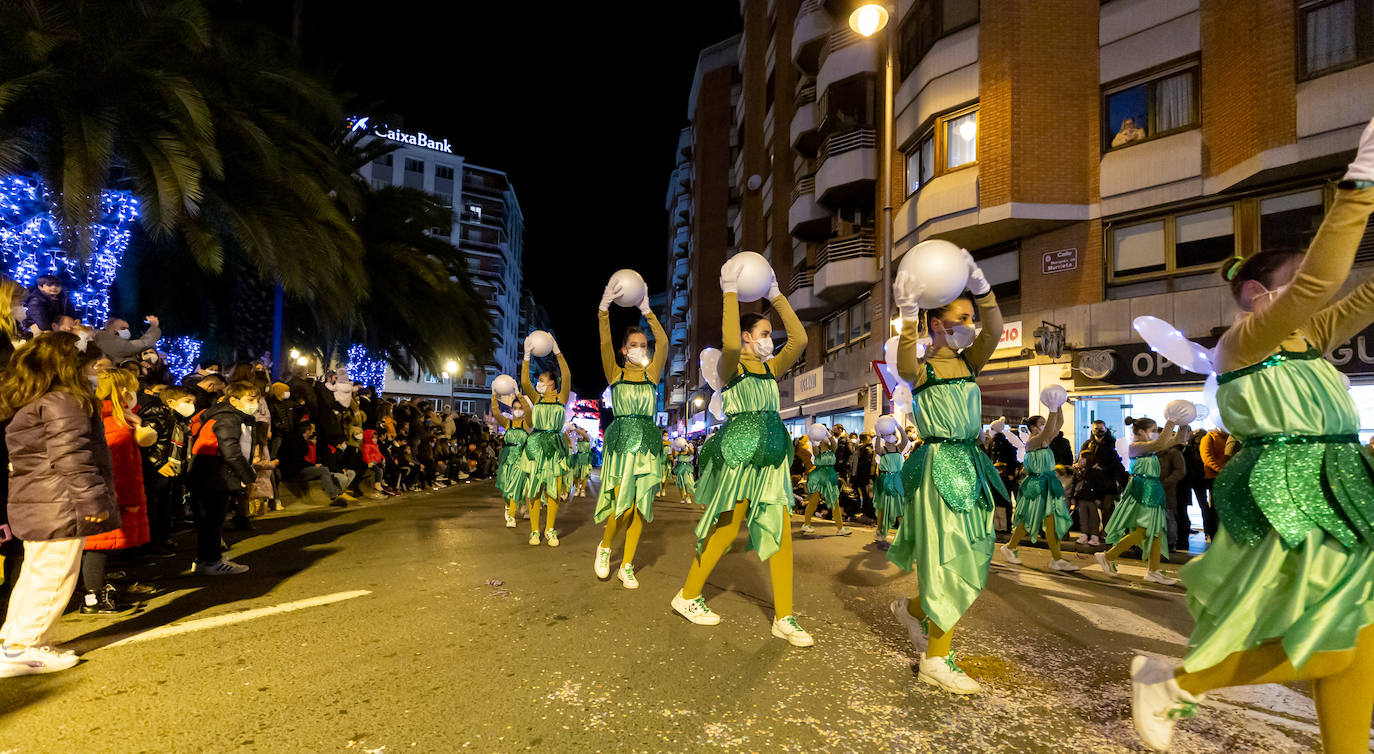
181,354
366,368
33,242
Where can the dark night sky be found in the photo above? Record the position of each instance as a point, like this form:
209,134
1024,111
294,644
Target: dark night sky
580,103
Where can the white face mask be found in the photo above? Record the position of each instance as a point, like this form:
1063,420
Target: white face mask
543,389
763,348
124,333
286,396
960,337
1268,296
185,409
250,408
637,356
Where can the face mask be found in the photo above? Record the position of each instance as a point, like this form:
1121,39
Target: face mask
95,381
543,389
125,334
637,356
1268,296
1153,435
19,313
250,408
185,409
763,348
960,337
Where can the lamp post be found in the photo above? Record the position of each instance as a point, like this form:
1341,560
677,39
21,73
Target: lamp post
868,19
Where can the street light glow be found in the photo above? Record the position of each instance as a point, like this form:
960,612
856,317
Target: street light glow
868,19
697,401
968,130
450,367
302,360
295,354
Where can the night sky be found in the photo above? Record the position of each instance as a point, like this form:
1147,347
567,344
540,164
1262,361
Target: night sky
581,109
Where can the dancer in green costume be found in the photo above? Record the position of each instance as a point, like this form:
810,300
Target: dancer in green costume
745,478
580,460
823,485
888,493
1139,517
633,455
684,474
510,480
1286,590
545,460
946,532
1040,503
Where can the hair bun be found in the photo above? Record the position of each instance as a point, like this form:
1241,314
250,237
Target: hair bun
1130,422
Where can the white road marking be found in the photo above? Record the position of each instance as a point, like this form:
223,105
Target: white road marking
201,624
1119,620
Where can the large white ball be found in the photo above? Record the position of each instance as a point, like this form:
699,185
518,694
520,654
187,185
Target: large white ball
632,288
1053,396
818,432
679,443
886,426
1180,412
541,343
941,267
504,385
755,276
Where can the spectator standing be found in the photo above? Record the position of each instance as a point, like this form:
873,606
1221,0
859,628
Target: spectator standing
862,478
117,342
1172,469
220,471
1214,453
164,462
1102,443
1194,485
1086,493
11,336
1062,450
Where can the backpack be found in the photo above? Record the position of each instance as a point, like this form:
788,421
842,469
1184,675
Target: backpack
201,443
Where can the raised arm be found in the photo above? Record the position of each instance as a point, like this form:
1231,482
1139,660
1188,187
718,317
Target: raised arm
655,369
796,334
525,384
1053,423
1340,321
729,338
565,376
608,365
1167,436
905,294
987,340
496,413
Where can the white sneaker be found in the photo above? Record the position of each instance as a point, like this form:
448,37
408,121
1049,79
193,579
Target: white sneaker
510,520
786,628
945,674
1062,565
1108,566
695,610
603,562
1010,555
1157,702
626,574
918,631
1158,577
534,538
843,531
33,660
1095,541
550,538
219,568
807,529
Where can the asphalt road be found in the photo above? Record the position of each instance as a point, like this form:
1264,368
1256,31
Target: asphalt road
421,624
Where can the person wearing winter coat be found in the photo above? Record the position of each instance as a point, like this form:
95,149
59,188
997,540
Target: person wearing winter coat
164,463
1172,469
118,343
46,304
220,471
61,490
117,390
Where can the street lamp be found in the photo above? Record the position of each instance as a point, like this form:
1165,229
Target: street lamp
698,401
450,367
295,354
869,19
302,360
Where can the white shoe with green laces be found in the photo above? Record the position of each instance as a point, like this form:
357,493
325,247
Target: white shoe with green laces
917,630
534,538
551,537
1157,702
626,574
695,610
603,562
786,628
944,673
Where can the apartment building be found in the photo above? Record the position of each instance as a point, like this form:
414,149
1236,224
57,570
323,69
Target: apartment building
489,227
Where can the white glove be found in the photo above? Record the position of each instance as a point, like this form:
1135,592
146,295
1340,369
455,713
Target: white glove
998,424
529,347
729,276
773,290
977,282
555,345
610,294
1362,169
644,307
906,292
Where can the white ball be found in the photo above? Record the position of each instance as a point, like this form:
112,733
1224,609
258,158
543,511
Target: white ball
679,443
632,288
818,432
886,426
755,276
1180,412
541,343
1053,396
940,265
504,385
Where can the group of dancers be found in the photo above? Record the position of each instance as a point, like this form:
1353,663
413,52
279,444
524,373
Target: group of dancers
1284,593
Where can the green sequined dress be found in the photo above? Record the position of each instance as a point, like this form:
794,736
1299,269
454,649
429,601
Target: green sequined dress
1141,506
824,480
684,475
510,479
888,494
946,530
631,467
1293,560
1041,496
581,461
748,459
545,460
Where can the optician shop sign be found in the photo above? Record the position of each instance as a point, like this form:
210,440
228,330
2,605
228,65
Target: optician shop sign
1137,364
418,139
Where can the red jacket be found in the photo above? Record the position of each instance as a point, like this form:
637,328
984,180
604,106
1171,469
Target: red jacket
371,453
128,487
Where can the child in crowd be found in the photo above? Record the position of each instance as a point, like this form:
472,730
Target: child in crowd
48,306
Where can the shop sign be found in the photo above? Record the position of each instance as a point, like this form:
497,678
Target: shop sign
1011,336
419,139
1064,260
808,384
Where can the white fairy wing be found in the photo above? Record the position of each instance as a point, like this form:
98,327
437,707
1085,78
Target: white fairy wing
710,367
1168,341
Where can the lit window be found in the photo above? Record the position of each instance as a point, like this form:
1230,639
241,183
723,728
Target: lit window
1141,110
961,140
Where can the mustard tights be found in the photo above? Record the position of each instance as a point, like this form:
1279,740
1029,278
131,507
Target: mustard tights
722,536
633,524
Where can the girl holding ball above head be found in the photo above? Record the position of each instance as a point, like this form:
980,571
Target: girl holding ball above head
1040,505
1285,592
545,460
510,479
1139,517
888,447
684,474
745,475
822,482
581,459
632,465
946,531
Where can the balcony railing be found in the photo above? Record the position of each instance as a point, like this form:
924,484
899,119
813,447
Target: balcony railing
806,94
804,185
859,138
802,279
860,245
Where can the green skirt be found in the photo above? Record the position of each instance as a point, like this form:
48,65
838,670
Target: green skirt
628,480
545,465
1041,498
769,492
887,498
1315,597
1141,506
581,464
950,548
826,482
510,479
685,477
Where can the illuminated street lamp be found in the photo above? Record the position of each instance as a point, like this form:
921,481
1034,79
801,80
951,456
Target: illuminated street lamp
698,401
302,360
295,354
450,367
868,19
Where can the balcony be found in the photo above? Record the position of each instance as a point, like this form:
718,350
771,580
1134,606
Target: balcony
806,122
684,176
846,266
847,167
802,296
679,365
809,33
679,303
806,218
680,272
682,240
684,142
846,54
679,334
684,207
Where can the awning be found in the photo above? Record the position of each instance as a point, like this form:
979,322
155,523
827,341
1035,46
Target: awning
790,413
848,399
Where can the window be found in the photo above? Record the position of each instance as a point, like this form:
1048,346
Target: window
381,171
1334,35
1142,110
920,164
415,173
1289,222
1001,265
952,144
858,320
926,24
961,140
464,407
429,378
1138,249
1204,238
443,172
1194,241
847,326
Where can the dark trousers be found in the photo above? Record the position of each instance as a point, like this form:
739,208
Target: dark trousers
158,490
210,526
1209,513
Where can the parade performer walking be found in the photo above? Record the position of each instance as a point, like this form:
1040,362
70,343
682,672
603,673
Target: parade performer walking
545,460
632,463
1286,590
822,482
1139,517
581,459
510,479
946,531
684,474
745,479
1040,504
888,494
